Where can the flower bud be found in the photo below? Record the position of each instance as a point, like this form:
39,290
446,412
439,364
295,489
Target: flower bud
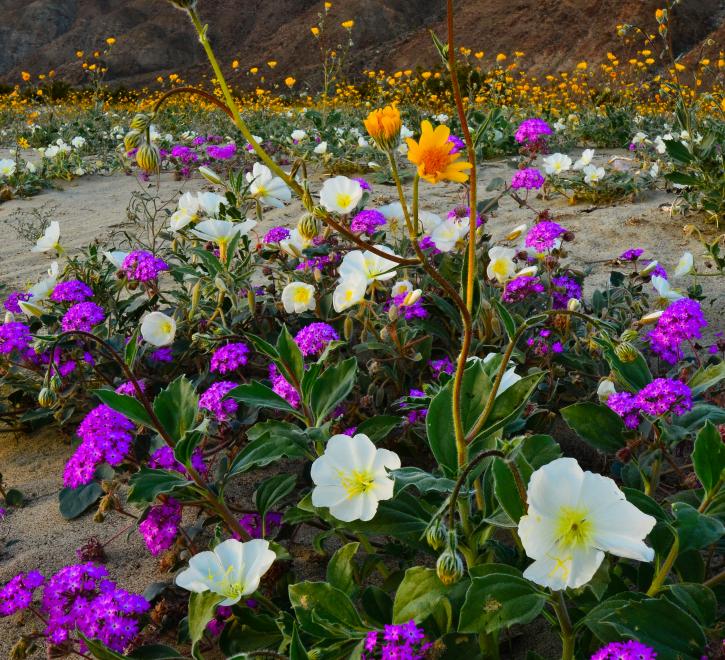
47,398
140,122
449,567
649,268
436,535
574,304
210,175
605,389
308,227
132,140
347,328
56,383
195,297
251,300
148,158
629,335
515,232
650,318
317,274
393,313
384,333
626,352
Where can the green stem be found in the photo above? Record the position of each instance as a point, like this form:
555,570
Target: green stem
663,572
567,630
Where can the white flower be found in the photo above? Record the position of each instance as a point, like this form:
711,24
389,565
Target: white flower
340,194
51,152
501,266
362,142
298,297
573,518
189,205
298,134
321,148
660,145
560,125
210,203
295,243
529,271
222,232
401,287
351,477
593,174
78,142
585,159
516,232
50,240
556,163
447,234
7,167
29,167
233,570
158,329
605,389
654,171
665,292
116,257
368,265
405,132
441,118
510,377
349,292
685,265
394,212
270,190
180,219
639,138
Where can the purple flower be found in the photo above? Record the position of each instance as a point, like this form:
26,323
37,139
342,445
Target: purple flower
458,144
564,288
142,266
544,235
129,389
252,523
14,336
427,243
631,255
213,400
663,396
404,641
314,338
463,213
276,234
682,321
410,311
184,154
11,302
163,459
83,317
71,291
106,437
163,354
625,405
367,221
229,358
520,288
529,178
316,262
160,527
216,625
363,184
532,131
282,388
630,650
17,594
442,366
225,152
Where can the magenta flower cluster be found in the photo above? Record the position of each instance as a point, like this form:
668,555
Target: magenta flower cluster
529,179
521,287
160,527
662,396
17,594
681,322
11,302
106,437
281,387
632,254
531,131
213,400
276,234
367,222
544,235
442,366
14,336
73,291
409,312
224,152
541,343
565,288
252,523
82,317
163,458
231,357
630,650
463,213
314,338
404,641
142,266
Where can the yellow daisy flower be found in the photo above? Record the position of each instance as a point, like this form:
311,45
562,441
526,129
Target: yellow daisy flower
432,154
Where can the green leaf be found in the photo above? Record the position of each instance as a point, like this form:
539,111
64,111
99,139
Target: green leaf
185,447
600,426
341,569
706,377
332,387
507,493
129,353
678,151
260,396
155,652
645,503
147,484
499,601
177,407
98,650
273,490
403,517
682,178
289,355
417,595
297,651
268,442
75,501
126,405
695,530
377,604
14,497
377,428
635,374
316,603
421,480
506,318
697,600
708,457
201,610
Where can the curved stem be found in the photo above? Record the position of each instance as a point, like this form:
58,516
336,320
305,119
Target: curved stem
462,478
663,572
194,91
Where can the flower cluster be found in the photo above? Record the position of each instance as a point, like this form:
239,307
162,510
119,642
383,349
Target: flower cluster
160,527
14,336
213,400
660,397
83,317
531,134
367,222
442,366
106,436
276,234
565,288
73,291
520,288
252,523
632,254
11,302
529,178
18,593
281,387
544,236
541,344
142,266
404,641
163,458
630,650
682,321
229,358
314,338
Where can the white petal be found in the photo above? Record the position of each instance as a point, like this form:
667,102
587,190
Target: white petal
348,510
538,535
328,496
231,554
555,485
384,458
192,580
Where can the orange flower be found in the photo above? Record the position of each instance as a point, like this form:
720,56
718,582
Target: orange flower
25,76
347,24
383,125
289,81
432,154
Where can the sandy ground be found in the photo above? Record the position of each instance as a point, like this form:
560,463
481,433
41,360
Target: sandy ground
93,207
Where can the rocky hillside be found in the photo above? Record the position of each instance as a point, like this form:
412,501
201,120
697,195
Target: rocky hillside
155,39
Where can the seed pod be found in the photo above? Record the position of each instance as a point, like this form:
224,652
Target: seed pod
148,158
47,398
449,567
131,140
140,122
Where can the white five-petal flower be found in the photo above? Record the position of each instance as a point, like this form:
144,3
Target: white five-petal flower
349,291
50,240
158,329
685,265
556,163
340,194
501,266
270,190
298,297
351,477
368,264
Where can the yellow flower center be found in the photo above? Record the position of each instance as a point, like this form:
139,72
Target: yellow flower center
573,529
343,200
165,327
301,295
261,192
435,159
357,482
499,267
